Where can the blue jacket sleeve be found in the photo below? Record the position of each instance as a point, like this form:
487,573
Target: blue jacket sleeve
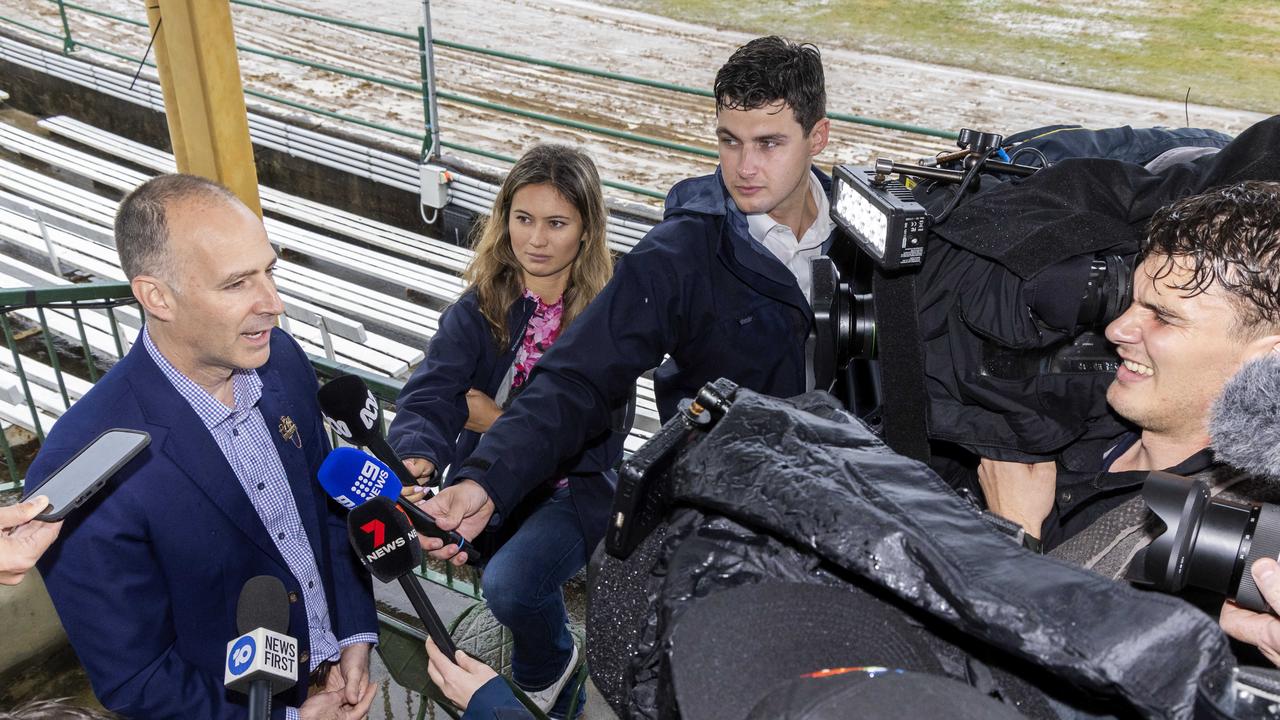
626,330
495,701
432,408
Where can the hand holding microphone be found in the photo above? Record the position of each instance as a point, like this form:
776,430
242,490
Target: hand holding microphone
353,477
352,411
387,544
465,507
424,472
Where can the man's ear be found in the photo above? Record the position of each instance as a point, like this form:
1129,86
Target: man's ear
154,295
818,137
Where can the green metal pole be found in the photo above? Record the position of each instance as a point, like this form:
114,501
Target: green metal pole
84,343
22,375
68,44
115,332
53,355
427,63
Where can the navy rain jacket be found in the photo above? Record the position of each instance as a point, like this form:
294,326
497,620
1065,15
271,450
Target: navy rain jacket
697,288
431,411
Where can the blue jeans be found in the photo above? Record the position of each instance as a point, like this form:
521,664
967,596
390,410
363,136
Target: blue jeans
522,584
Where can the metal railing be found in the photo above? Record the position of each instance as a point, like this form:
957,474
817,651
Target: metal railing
73,299
429,132
31,340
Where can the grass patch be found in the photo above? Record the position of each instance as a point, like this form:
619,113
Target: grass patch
1223,50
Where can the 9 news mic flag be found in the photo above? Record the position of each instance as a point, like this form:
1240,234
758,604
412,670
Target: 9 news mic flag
263,661
353,477
352,411
387,544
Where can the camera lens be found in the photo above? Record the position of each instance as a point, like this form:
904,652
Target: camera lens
1107,292
1206,543
845,325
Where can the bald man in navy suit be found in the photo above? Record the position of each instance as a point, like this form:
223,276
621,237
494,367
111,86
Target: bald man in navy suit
147,575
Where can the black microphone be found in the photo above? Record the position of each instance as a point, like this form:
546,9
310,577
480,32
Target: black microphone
1245,425
387,544
352,411
263,661
353,476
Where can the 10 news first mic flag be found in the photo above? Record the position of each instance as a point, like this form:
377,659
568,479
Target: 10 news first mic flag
262,654
263,660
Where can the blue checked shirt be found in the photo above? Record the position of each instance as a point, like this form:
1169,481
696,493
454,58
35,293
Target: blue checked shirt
242,435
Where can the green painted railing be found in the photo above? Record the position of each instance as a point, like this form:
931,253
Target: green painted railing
423,86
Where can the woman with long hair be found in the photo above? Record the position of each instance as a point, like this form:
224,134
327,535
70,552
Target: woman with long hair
540,259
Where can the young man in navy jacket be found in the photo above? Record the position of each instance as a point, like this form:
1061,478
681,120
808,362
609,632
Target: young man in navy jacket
720,286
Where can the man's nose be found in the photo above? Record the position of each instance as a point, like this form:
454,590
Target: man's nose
270,303
1124,329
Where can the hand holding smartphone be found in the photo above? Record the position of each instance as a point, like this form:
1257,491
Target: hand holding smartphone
22,539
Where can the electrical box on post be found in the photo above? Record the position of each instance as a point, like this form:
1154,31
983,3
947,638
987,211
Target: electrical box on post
434,181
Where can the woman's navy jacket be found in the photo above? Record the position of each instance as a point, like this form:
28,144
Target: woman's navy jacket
432,408
696,290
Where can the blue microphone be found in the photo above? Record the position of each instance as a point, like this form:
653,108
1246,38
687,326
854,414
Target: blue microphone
353,477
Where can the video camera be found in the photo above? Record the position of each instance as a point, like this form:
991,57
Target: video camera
1017,329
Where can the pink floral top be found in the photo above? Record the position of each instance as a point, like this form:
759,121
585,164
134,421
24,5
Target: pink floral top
542,330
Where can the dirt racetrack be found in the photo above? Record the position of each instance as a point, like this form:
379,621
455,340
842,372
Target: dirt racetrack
622,41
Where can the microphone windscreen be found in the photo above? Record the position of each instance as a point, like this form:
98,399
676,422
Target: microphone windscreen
263,603
351,408
1245,426
384,539
353,477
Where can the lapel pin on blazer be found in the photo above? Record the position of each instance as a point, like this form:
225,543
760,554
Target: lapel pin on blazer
289,431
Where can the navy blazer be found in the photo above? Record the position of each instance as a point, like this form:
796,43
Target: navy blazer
146,576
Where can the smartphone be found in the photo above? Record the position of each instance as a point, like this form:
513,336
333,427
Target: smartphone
642,497
88,471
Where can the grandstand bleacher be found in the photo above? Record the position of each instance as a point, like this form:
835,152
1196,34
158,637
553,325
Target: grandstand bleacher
368,321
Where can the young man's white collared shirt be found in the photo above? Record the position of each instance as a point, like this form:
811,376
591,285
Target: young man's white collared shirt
781,241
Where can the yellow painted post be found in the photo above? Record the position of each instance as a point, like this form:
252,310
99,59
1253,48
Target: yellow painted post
203,96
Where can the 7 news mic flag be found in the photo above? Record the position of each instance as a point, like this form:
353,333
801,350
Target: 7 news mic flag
353,476
263,661
387,544
352,412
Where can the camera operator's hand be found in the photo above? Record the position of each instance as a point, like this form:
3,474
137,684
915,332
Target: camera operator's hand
1021,492
1260,629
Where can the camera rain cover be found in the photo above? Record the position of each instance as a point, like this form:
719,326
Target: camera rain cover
776,492
970,291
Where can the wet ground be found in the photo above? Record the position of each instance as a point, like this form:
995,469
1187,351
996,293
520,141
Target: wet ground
620,41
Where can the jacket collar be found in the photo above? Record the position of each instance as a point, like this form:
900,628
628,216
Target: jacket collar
190,448
746,258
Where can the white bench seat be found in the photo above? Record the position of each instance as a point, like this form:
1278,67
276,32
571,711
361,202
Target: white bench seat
398,240
377,353
444,285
